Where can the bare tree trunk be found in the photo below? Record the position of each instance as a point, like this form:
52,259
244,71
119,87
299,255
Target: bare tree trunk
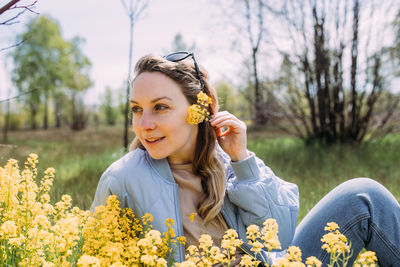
258,99
58,112
6,123
134,10
372,98
33,116
46,110
255,44
126,125
308,82
353,77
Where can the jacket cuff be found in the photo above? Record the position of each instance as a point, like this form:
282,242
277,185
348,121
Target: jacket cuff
246,169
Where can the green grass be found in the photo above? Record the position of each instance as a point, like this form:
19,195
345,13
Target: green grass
81,157
78,157
317,170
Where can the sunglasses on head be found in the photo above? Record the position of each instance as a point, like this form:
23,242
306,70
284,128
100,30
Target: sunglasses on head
179,56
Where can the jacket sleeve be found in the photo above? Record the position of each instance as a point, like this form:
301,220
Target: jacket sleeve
107,186
260,195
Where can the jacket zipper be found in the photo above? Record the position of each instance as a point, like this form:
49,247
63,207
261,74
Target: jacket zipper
181,251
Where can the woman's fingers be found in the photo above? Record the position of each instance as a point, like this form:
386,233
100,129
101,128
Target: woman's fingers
225,119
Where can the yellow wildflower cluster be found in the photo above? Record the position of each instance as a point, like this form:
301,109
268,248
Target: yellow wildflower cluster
206,254
365,259
336,244
34,232
199,112
268,238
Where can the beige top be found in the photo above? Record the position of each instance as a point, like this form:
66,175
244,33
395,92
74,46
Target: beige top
190,193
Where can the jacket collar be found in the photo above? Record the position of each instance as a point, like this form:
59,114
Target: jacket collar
161,166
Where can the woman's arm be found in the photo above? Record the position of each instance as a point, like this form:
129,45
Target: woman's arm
252,186
260,195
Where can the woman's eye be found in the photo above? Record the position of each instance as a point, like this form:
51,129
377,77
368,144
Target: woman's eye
136,109
160,107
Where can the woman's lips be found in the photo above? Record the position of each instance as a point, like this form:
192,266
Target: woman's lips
154,140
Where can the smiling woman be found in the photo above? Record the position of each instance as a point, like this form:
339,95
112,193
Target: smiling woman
179,167
159,118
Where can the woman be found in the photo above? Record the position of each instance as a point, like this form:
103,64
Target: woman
177,168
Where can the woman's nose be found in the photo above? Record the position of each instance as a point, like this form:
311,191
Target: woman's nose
147,121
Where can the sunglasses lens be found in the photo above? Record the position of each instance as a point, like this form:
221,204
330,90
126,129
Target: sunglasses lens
177,56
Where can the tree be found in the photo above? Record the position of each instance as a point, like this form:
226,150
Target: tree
250,27
133,9
395,49
37,63
77,80
337,67
108,108
45,65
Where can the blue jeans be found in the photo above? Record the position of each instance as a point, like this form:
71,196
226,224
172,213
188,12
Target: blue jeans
367,214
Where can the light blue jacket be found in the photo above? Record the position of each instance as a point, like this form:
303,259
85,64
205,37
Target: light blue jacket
253,194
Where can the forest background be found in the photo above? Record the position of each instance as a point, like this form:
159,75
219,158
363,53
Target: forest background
316,82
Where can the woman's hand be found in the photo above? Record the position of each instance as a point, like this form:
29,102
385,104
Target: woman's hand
234,140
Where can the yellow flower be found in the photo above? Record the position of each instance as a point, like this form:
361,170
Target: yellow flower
331,226
205,242
161,262
246,261
252,232
192,216
186,264
148,260
283,262
199,112
203,99
367,258
169,222
8,228
313,262
256,247
269,234
293,254
230,241
86,260
193,250
147,218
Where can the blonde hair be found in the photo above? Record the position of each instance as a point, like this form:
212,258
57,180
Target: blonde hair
206,162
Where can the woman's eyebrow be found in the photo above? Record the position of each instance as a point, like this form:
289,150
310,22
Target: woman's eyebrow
160,98
154,100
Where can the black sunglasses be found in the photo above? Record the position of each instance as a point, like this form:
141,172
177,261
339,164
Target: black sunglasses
178,56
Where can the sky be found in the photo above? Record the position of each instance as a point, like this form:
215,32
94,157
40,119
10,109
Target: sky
105,27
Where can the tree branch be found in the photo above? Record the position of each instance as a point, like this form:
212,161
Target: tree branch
8,6
12,46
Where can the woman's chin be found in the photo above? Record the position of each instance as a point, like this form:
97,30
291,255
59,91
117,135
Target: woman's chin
156,155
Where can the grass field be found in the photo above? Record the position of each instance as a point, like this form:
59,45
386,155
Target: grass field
80,158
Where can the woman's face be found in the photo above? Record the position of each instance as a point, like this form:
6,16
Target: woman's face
159,118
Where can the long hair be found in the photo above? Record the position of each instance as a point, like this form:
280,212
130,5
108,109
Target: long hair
206,163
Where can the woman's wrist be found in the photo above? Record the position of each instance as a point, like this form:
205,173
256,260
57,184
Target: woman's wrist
241,156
